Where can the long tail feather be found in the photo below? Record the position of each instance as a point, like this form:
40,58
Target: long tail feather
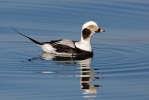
36,42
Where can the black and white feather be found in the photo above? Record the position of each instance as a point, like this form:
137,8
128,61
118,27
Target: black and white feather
65,47
60,47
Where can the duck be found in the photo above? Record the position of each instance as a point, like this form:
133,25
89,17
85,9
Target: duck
67,47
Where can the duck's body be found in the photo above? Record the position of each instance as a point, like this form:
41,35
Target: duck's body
65,47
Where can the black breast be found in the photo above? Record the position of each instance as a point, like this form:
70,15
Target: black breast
80,52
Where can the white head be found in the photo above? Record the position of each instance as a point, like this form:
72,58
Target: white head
88,29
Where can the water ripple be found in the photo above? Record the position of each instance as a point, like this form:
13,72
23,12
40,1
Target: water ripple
122,60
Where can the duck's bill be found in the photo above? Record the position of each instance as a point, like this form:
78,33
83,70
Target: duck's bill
100,30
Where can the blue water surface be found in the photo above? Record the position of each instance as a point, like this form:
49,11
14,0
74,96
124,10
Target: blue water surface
119,69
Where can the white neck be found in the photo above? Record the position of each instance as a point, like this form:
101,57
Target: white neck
85,41
84,44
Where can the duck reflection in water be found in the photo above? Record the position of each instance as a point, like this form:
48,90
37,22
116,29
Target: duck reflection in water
86,72
86,76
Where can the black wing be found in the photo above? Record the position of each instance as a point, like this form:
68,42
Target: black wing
63,45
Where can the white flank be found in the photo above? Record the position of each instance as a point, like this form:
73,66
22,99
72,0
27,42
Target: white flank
48,48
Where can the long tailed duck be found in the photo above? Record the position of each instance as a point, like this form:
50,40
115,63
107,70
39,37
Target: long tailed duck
65,47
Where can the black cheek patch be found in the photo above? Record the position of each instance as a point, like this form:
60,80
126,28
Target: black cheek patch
86,33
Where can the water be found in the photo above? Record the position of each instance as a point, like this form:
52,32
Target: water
118,70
